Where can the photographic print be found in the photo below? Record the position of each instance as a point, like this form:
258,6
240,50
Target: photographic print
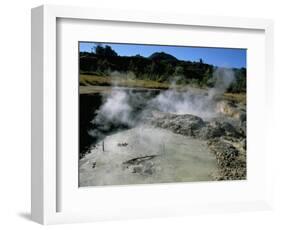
161,114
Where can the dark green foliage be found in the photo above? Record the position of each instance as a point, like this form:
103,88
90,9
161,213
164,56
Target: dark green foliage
240,83
161,56
106,51
160,66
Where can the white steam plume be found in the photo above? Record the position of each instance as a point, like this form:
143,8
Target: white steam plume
195,101
116,108
120,105
223,79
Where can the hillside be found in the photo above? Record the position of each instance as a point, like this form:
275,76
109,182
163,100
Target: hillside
158,67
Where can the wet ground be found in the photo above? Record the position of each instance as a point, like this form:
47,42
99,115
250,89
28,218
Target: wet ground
147,155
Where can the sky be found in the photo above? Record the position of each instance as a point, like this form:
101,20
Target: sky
222,57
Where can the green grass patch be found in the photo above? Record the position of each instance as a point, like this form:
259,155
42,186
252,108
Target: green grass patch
236,97
94,80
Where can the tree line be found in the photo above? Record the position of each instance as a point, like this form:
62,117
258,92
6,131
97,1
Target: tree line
160,66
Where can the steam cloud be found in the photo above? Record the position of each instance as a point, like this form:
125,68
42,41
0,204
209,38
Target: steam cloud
194,101
223,79
122,107
116,108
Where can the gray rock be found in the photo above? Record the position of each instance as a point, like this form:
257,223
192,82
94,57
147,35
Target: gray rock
244,144
186,124
231,162
230,130
243,129
242,117
211,130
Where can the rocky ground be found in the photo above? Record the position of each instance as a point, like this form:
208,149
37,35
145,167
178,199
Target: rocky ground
225,135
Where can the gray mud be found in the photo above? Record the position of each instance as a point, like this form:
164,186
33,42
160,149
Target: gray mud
147,155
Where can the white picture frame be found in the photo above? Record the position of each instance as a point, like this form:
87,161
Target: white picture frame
47,183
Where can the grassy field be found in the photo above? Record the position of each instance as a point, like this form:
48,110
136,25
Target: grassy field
88,80
236,97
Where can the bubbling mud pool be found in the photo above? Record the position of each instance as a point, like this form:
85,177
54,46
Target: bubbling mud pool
144,155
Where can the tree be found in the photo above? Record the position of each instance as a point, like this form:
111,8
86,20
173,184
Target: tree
179,71
109,51
99,50
105,51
